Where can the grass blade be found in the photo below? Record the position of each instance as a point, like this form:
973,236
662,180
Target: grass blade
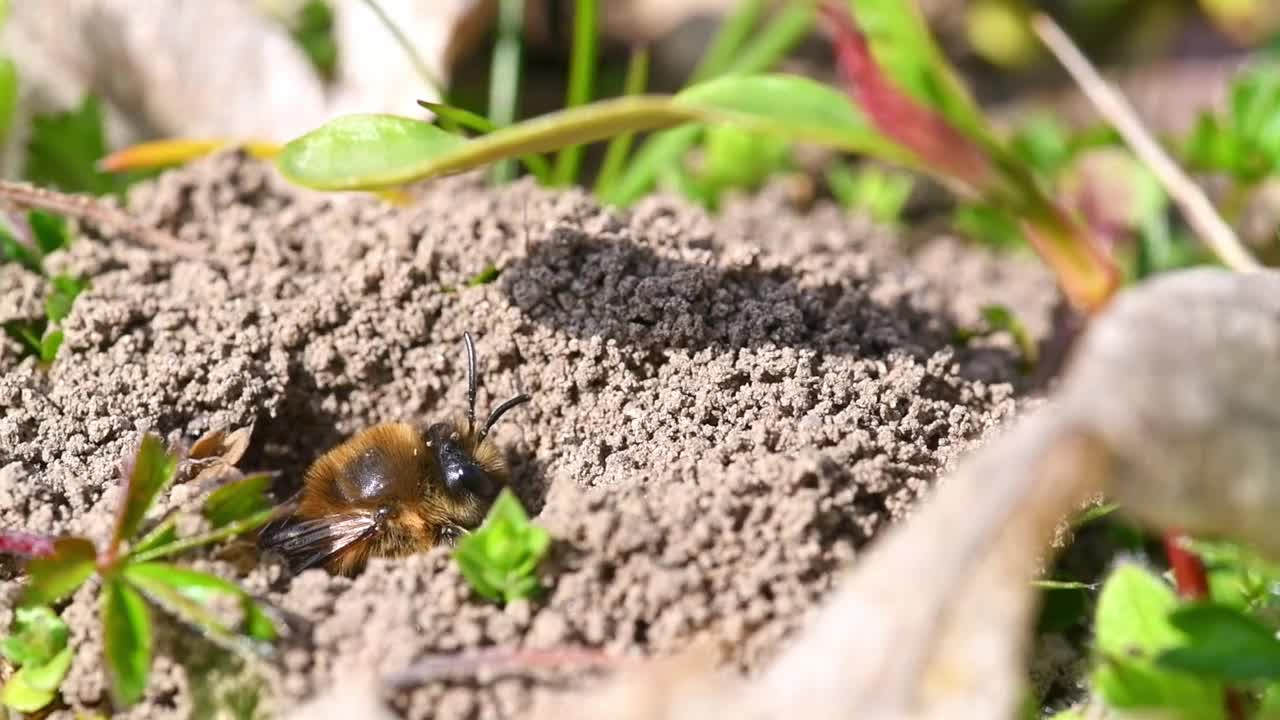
620,146
780,35
504,78
666,149
126,641
728,41
582,70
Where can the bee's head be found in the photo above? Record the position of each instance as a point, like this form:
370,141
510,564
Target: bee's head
469,466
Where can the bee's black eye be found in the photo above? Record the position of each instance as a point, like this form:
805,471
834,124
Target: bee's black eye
458,470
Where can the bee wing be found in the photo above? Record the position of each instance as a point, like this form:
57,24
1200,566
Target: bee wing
307,543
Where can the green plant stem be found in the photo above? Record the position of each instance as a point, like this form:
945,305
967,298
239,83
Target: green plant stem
226,531
620,146
728,40
536,164
504,79
582,70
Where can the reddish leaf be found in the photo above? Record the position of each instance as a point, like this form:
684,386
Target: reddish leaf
919,129
16,542
53,577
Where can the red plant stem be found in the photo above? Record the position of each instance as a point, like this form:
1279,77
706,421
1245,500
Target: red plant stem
1192,583
15,542
919,129
1190,578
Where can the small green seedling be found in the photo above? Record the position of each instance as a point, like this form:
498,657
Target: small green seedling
40,336
1245,142
880,193
38,648
501,558
132,578
998,318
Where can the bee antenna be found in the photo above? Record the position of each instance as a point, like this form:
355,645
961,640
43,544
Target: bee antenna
502,410
471,381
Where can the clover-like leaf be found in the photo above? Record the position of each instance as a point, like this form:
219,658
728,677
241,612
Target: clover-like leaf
1131,629
500,558
34,686
151,471
53,577
126,640
38,635
1223,642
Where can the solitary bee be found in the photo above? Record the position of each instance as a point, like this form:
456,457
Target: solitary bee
392,490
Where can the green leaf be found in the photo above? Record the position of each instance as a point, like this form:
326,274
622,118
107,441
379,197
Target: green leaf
8,95
879,193
312,29
238,500
51,232
1001,319
48,676
126,641
14,251
39,634
536,164
54,577
153,469
28,333
500,558
35,686
1042,143
64,148
989,225
738,158
1223,643
49,346
62,294
370,151
484,277
1131,628
187,594
178,545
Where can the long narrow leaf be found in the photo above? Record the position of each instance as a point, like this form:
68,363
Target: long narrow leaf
504,79
152,469
728,41
620,146
187,593
582,71
126,641
665,150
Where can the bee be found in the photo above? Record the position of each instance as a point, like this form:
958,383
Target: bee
392,490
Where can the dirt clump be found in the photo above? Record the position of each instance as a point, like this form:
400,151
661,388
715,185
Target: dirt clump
724,409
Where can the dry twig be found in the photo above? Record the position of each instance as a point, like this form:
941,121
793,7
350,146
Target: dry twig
1200,213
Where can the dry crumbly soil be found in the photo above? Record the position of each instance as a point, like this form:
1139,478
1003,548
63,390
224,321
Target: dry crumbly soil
725,408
